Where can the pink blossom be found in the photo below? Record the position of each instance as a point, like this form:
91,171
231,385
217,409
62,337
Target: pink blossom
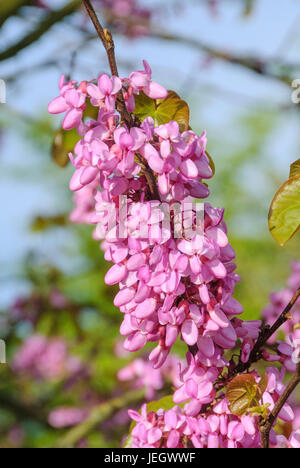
106,91
72,100
66,417
142,81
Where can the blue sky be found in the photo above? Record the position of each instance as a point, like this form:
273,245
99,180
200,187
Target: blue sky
264,34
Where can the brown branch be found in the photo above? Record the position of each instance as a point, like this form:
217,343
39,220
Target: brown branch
109,46
266,426
256,65
50,20
130,119
262,340
11,8
266,334
99,415
105,37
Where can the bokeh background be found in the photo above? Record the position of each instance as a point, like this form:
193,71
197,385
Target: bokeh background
234,62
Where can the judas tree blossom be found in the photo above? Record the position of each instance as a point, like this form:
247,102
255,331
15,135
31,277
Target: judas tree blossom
106,90
173,263
72,101
46,359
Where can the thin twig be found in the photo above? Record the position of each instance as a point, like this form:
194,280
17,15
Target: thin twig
266,334
105,37
109,46
52,17
254,64
130,119
266,426
262,340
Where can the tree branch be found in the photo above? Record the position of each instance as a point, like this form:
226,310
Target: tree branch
259,66
266,426
98,415
266,334
105,37
130,119
50,20
11,8
262,340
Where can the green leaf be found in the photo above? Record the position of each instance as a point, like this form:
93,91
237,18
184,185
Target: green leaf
65,140
42,223
144,106
63,144
165,403
284,215
164,110
262,411
242,394
263,384
295,169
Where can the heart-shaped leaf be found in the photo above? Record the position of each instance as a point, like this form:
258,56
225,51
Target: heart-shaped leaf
163,110
263,383
42,223
63,143
242,393
295,169
284,215
65,140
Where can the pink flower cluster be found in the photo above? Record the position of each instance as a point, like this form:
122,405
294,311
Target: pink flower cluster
216,428
171,284
168,287
46,359
288,351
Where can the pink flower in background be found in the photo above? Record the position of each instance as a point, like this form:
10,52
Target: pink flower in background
140,373
121,11
44,358
67,417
